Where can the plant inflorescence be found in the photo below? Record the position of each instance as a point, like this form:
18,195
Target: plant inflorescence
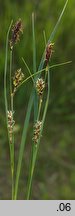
39,79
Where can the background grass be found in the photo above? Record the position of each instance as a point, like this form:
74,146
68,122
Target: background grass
55,168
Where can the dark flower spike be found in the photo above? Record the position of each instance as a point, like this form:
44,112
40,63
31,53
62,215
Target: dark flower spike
16,30
49,51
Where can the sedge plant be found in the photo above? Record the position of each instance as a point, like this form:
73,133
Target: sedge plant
39,79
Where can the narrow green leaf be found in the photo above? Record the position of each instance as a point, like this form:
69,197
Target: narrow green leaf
28,69
53,34
43,70
34,46
34,69
22,145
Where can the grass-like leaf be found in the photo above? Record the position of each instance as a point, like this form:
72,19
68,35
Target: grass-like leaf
28,69
41,71
34,69
22,145
53,34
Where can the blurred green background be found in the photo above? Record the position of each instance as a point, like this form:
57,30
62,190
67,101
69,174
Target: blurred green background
55,169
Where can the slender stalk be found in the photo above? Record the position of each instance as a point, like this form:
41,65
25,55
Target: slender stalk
12,151
5,76
40,104
5,86
12,144
30,175
31,170
10,76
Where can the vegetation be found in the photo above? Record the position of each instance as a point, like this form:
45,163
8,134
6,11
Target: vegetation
56,158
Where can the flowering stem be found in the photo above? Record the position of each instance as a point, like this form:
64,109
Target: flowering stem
12,144
5,90
31,170
40,103
12,151
10,74
36,147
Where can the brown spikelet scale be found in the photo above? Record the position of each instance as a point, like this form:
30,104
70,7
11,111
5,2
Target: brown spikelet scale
40,85
36,133
16,30
17,79
11,123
